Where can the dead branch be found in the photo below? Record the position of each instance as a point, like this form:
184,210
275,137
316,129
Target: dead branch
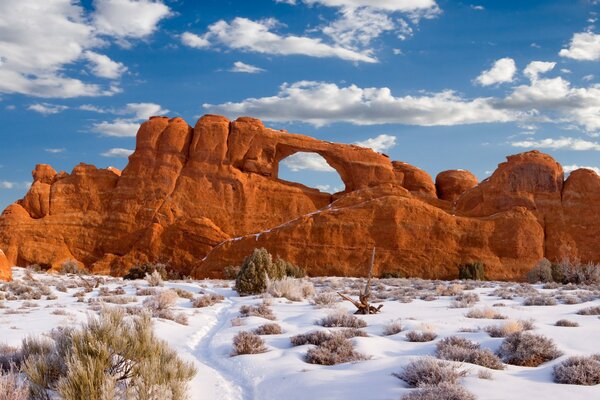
363,306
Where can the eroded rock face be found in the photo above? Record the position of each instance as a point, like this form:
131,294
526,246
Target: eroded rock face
202,198
5,272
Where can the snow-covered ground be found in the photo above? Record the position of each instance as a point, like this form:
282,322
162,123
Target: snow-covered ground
283,373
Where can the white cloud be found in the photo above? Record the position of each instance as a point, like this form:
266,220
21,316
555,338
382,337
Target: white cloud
570,168
588,78
128,126
320,103
6,185
134,19
357,27
192,40
502,71
103,67
584,46
55,151
477,7
117,152
535,68
380,143
14,185
46,108
565,143
389,5
307,161
256,36
239,66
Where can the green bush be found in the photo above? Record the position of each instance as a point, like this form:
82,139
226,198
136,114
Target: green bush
140,271
110,357
258,268
542,272
473,271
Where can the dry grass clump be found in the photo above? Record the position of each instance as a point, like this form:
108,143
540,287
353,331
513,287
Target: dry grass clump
465,300
589,311
430,371
336,350
392,328
325,300
12,387
262,310
421,336
527,349
106,291
114,299
566,323
319,337
443,391
147,291
509,327
484,313
160,305
10,356
456,348
269,329
154,279
540,300
248,343
342,320
207,300
110,357
293,289
184,294
449,290
578,371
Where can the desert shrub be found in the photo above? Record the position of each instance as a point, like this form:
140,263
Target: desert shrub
140,271
527,349
147,291
573,272
578,371
392,328
342,320
71,267
10,357
319,337
262,310
269,329
505,329
154,279
255,272
589,311
443,391
231,271
248,343
484,374
421,336
161,304
207,300
542,272
12,386
484,313
289,269
429,371
114,299
292,289
391,274
566,323
465,300
325,299
184,294
473,271
336,350
540,300
110,357
455,348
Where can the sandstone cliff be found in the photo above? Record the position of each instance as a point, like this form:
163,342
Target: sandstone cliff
202,198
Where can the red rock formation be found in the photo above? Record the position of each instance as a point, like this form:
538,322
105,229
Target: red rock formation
202,198
5,272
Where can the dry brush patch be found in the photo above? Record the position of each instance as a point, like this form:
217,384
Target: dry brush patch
578,371
207,300
248,343
342,319
335,350
262,310
430,371
456,348
527,349
443,391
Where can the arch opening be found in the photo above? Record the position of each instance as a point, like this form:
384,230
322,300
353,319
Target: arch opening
312,170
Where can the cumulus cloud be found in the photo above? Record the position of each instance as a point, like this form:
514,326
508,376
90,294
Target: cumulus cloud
535,68
241,67
307,161
502,71
14,185
192,40
40,39
134,19
103,67
320,103
380,143
584,46
357,27
564,143
389,5
117,152
55,151
47,108
257,36
128,126
570,168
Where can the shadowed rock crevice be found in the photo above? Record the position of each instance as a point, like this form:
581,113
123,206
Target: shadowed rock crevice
203,198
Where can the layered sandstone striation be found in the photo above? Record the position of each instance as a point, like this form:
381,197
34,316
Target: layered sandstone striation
201,198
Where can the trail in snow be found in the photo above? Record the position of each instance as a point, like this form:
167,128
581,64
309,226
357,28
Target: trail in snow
230,383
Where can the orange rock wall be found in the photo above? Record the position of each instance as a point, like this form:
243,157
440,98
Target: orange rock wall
202,198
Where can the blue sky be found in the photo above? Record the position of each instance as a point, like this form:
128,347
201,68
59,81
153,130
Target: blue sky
439,84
